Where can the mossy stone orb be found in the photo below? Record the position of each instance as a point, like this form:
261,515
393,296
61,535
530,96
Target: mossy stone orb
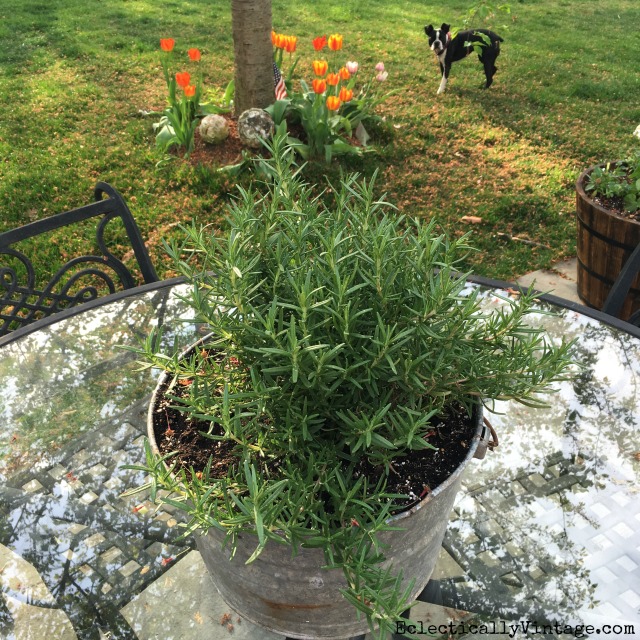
213,129
254,124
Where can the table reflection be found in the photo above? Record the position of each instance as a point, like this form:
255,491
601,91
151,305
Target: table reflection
71,376
547,526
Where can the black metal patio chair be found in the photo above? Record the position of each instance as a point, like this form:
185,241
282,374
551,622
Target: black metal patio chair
80,279
622,286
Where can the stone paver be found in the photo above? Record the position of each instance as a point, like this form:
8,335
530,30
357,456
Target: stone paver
197,610
20,585
36,623
559,281
86,532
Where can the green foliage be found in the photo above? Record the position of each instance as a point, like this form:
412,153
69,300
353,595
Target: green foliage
325,129
179,120
620,181
339,329
177,126
178,123
484,13
225,103
331,108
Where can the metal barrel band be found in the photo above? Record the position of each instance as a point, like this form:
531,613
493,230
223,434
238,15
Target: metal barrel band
601,236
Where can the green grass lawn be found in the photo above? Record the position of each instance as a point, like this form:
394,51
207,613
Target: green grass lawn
74,75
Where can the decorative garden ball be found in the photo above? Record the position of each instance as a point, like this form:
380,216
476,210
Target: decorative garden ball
254,124
213,129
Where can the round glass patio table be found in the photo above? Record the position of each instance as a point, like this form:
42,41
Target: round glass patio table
546,530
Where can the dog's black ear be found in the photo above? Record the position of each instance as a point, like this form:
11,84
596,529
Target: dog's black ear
445,27
429,30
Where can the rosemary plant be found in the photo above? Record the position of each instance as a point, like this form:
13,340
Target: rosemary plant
340,329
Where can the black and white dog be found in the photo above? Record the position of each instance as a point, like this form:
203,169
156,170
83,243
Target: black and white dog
449,50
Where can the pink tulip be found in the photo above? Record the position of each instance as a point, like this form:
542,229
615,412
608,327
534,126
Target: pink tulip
382,76
380,66
352,67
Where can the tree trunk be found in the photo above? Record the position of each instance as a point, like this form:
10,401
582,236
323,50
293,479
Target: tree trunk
253,53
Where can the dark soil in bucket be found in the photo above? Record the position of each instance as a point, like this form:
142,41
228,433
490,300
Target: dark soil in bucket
413,476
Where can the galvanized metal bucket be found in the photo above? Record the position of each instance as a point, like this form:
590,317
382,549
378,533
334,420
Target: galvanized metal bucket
294,596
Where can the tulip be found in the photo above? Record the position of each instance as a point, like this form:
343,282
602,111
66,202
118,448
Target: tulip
319,43
333,79
274,35
319,85
279,40
333,103
382,76
345,94
380,66
183,79
344,73
189,91
167,44
290,43
352,67
320,67
194,54
335,42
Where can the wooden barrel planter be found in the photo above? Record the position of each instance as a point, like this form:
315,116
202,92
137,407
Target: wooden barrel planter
605,242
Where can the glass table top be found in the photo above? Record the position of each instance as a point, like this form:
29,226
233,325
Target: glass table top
546,528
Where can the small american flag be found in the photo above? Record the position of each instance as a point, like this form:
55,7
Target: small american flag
278,82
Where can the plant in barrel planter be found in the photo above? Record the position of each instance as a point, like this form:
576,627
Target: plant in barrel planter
608,219
316,438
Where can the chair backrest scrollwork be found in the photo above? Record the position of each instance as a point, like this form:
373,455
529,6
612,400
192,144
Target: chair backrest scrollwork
80,279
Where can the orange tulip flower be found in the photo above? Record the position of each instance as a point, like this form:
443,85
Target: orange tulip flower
183,79
290,43
167,44
345,94
344,73
333,79
280,40
319,43
320,67
194,54
335,42
319,85
333,103
189,91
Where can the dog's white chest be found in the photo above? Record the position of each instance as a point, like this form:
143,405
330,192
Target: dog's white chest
443,81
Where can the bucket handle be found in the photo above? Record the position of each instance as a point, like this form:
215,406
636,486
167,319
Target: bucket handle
485,443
